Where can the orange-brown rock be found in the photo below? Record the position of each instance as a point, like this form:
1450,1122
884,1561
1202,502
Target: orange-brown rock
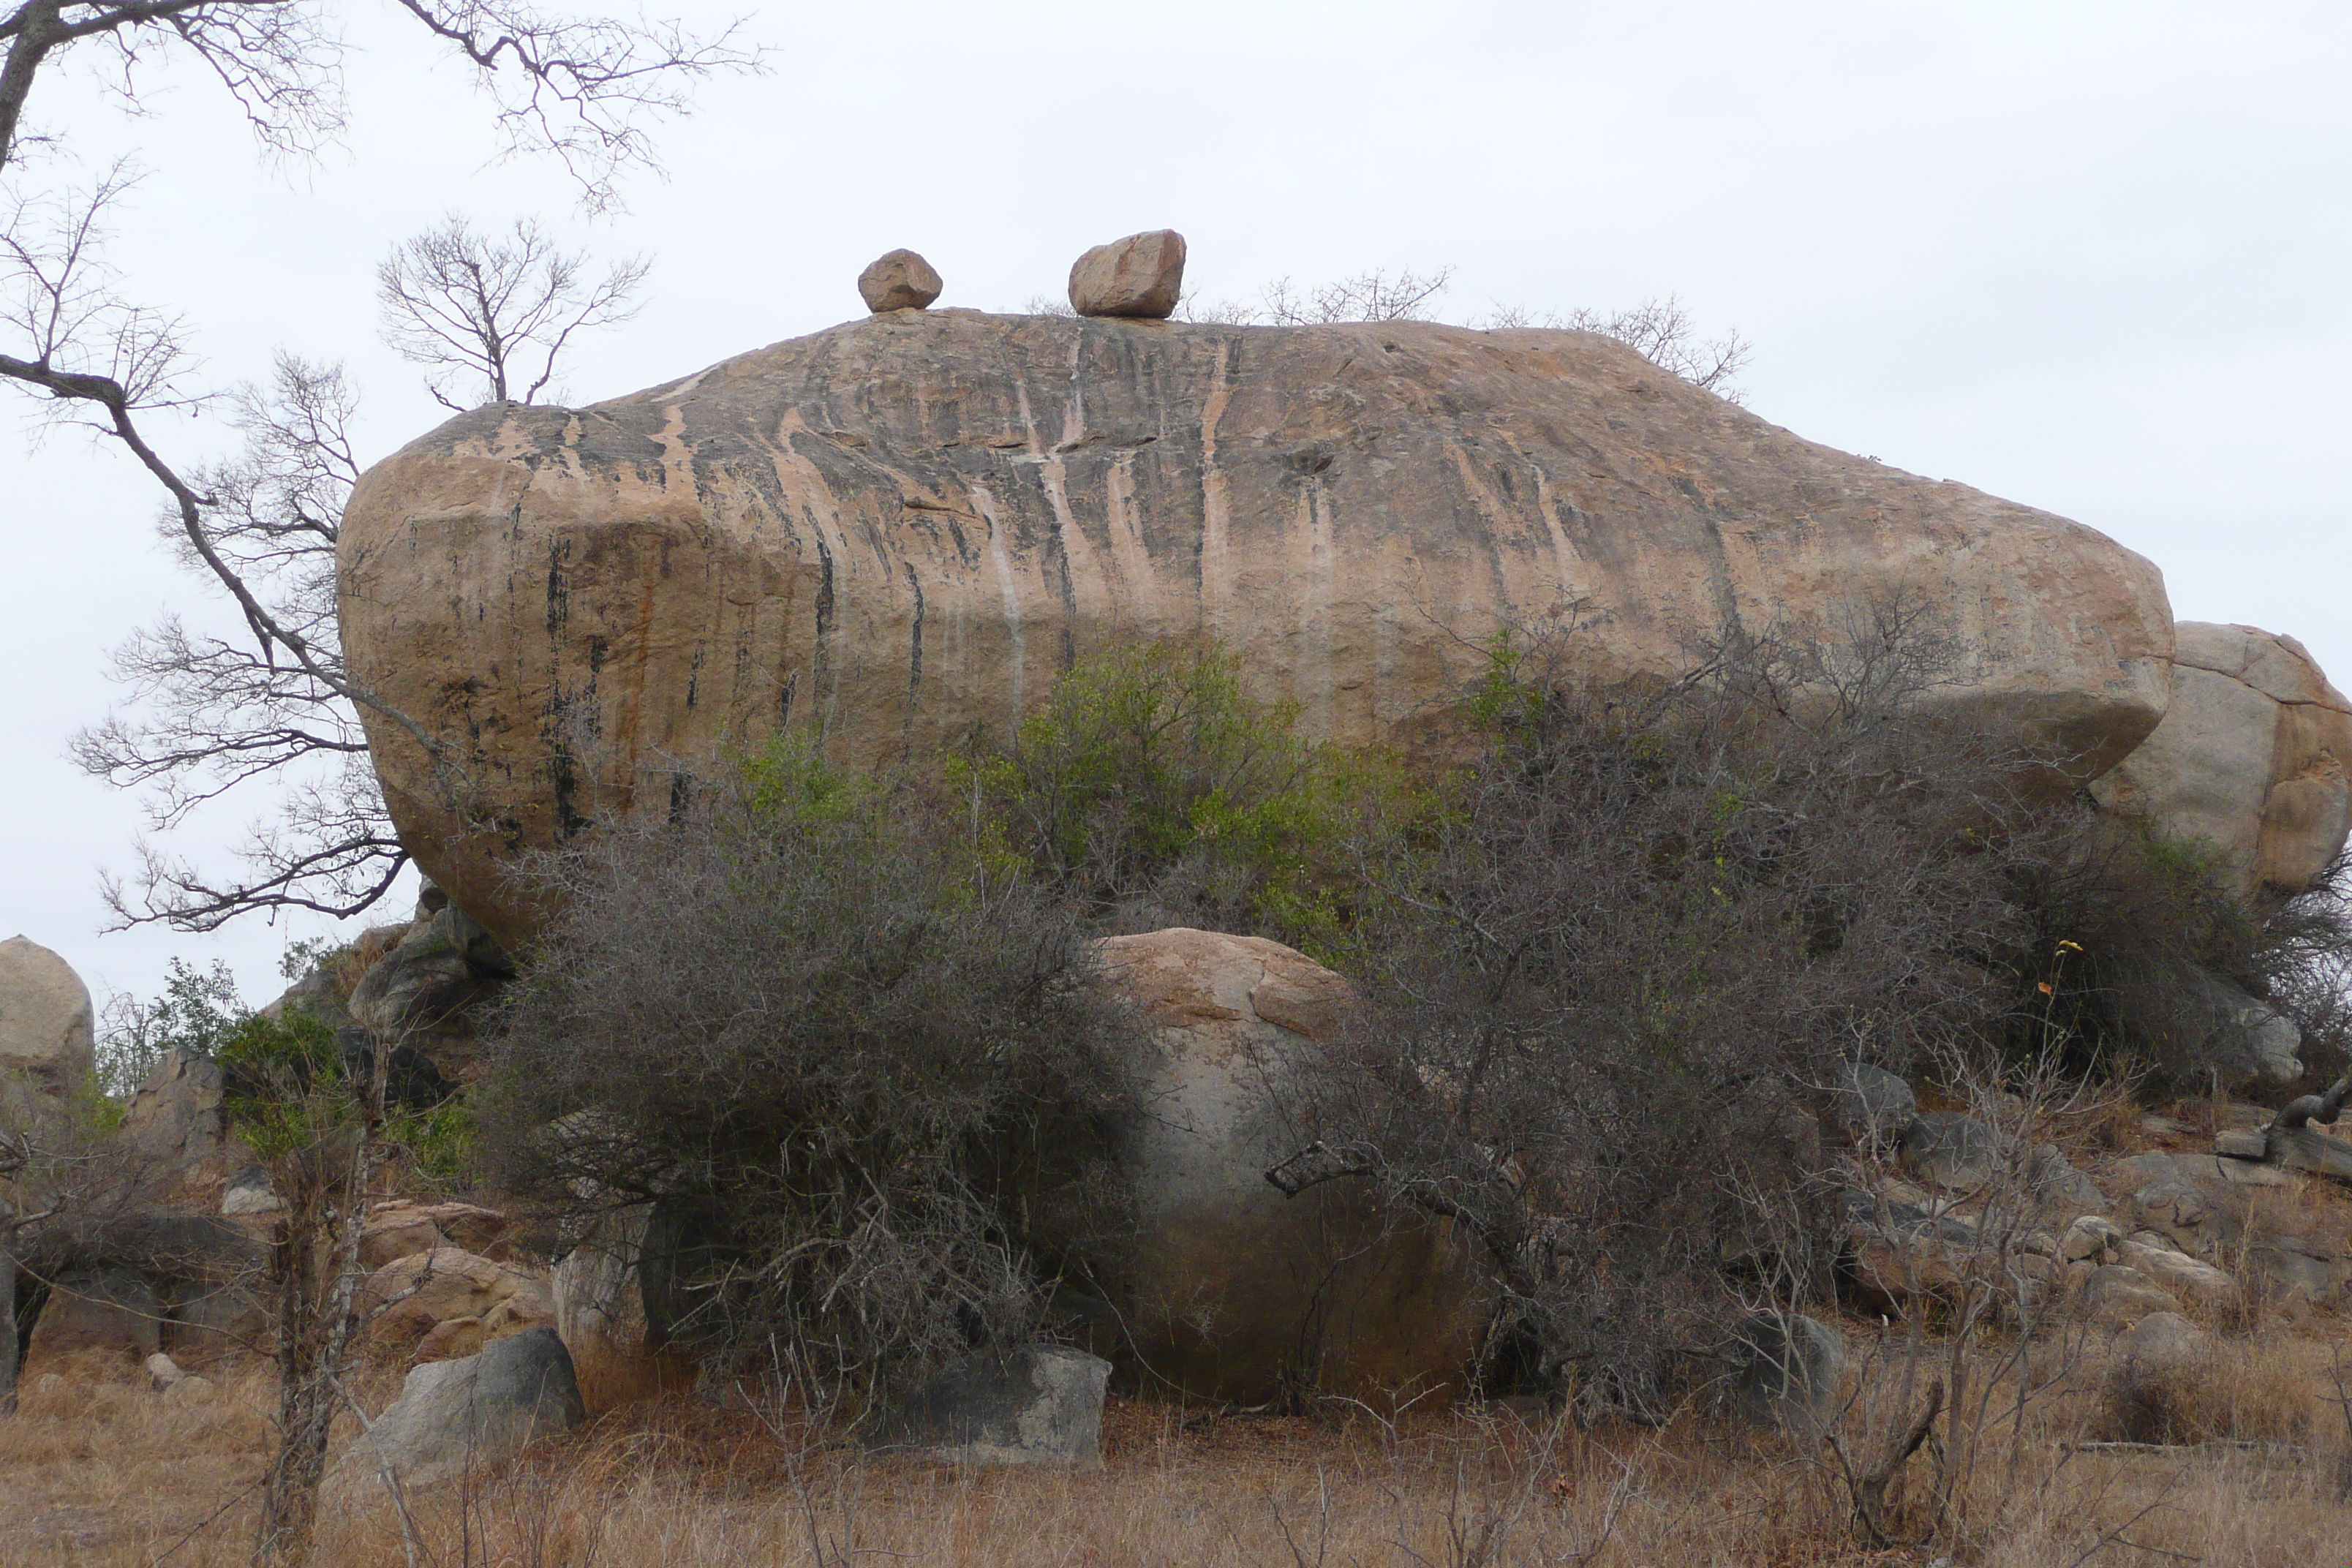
411,1297
898,530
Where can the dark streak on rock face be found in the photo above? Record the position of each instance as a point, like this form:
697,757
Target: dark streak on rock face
902,527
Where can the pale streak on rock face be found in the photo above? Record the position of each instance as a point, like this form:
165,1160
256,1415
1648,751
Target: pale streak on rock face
868,530
2252,760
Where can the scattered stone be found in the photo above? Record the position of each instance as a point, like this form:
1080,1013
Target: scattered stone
2092,1238
2179,1273
2163,1342
162,1372
1783,1371
45,1019
2239,1143
1140,275
898,280
1947,1149
403,1229
476,1411
415,1294
1872,1107
1041,1405
2119,1295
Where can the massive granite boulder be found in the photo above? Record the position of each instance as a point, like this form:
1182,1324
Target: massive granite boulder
895,532
2251,760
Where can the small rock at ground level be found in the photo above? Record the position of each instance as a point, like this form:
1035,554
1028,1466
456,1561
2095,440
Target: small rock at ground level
190,1386
476,1411
1948,1148
2121,1296
1872,1107
45,1017
898,280
1040,1404
2241,1144
1782,1370
2179,1273
110,1313
2163,1342
1140,275
2092,1238
162,1372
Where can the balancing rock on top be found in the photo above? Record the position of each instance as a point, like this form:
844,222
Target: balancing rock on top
45,1032
1142,275
898,280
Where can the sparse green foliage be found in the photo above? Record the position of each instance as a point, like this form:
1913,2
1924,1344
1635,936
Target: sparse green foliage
196,1012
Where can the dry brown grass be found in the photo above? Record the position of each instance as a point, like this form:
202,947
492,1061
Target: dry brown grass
112,1474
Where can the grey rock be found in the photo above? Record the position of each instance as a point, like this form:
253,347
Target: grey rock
898,280
1948,1148
2173,1205
162,1372
250,1193
1784,1371
2121,1295
2292,1275
2240,1144
175,1116
2092,1240
45,1019
2057,1181
453,1414
1873,1107
443,966
1041,1405
205,1323
2242,1037
107,1312
2164,1342
1140,275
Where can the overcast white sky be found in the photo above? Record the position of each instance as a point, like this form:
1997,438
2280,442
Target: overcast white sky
2091,257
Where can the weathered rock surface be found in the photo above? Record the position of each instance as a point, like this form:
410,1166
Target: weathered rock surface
2239,1036
1041,1405
900,529
1873,1107
476,1411
1951,1149
111,1314
898,280
2164,1342
45,1017
1781,1369
1229,1289
1140,275
174,1118
618,1352
2251,759
402,1228
417,1294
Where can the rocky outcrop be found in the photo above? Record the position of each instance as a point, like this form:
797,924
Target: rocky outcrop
896,531
619,1353
45,1019
111,1314
2251,760
898,280
453,1416
1227,1289
443,1302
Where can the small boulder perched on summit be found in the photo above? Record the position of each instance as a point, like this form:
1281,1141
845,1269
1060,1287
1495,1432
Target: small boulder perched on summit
898,280
1140,275
45,1017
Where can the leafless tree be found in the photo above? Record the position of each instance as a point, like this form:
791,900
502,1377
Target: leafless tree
1374,296
587,91
207,715
494,309
1660,331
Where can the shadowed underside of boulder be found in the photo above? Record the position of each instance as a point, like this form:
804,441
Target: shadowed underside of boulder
896,531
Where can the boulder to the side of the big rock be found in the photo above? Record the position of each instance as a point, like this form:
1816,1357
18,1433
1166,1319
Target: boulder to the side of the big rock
1951,1149
781,542
455,1417
1781,1370
1038,1405
2163,1342
444,964
898,280
400,1227
47,1036
174,1121
1224,1286
1141,276
2251,761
